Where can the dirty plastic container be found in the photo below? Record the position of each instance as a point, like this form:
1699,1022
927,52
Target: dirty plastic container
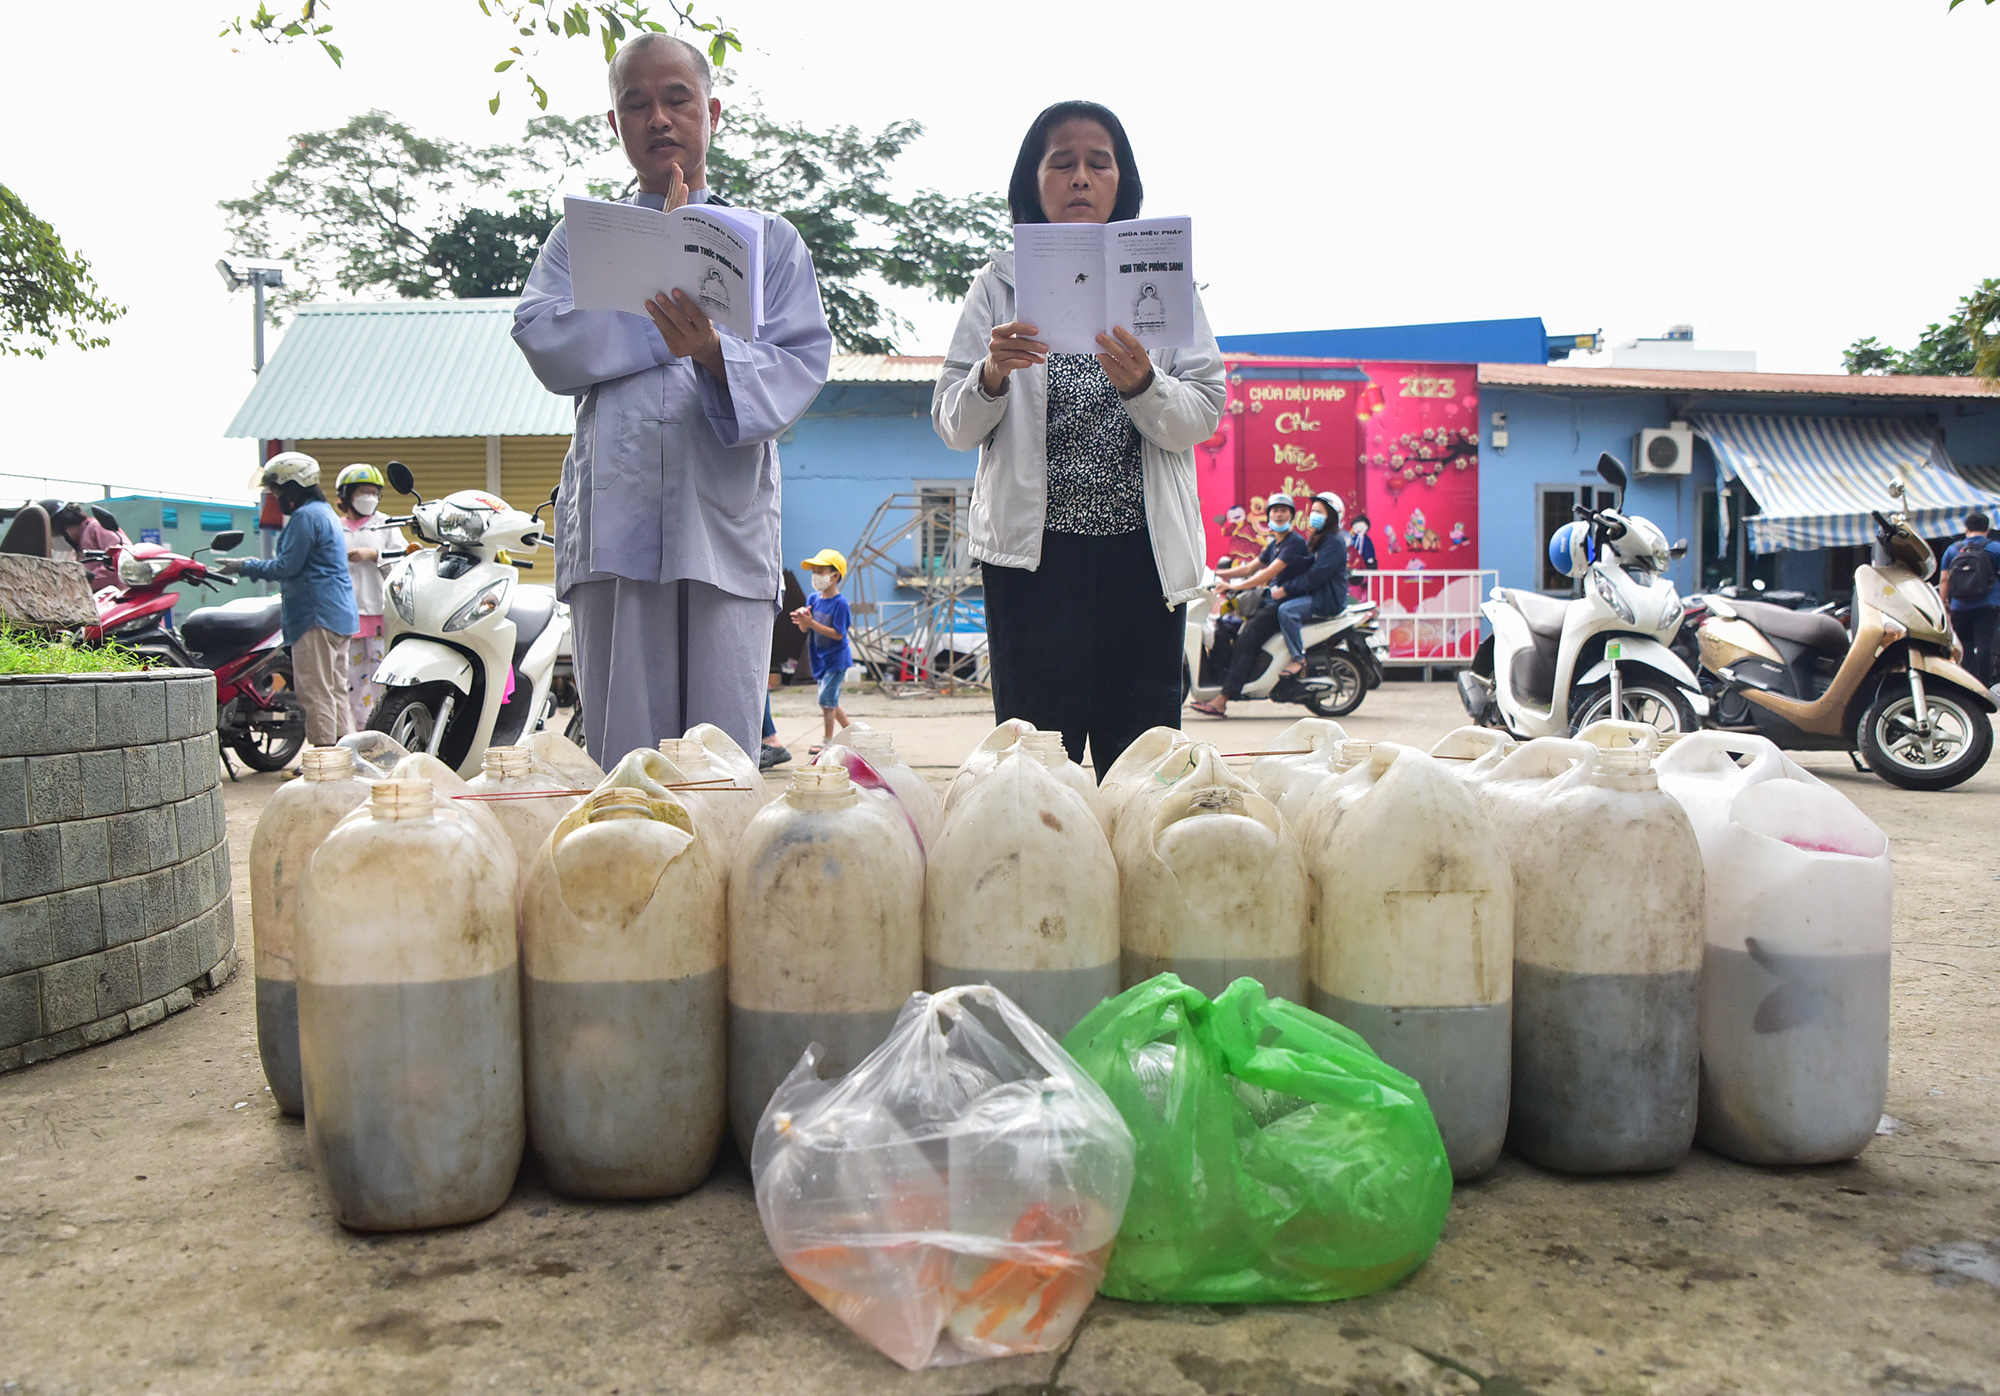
826,935
872,786
410,1015
1607,959
709,753
1213,886
1470,752
1310,744
1155,784
447,784
1022,894
376,752
1798,919
1047,747
1415,938
926,809
570,762
525,819
296,820
624,999
1134,769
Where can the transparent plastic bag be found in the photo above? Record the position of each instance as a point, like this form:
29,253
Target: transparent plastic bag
956,1195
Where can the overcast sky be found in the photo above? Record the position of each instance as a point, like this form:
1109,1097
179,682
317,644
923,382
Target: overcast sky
1786,177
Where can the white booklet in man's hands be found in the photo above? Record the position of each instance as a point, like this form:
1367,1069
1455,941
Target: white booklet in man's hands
622,255
1075,281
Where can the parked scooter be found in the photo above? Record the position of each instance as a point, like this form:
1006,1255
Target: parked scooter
1341,663
1887,685
257,714
1551,668
476,657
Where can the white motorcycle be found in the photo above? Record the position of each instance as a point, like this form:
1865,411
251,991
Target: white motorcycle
476,657
1341,660
1552,667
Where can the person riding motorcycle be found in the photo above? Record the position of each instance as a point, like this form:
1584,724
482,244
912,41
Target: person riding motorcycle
315,589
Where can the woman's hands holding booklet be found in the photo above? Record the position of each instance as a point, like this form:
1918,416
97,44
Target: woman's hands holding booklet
1013,345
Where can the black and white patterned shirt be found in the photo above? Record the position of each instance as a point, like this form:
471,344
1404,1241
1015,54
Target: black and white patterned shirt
1095,483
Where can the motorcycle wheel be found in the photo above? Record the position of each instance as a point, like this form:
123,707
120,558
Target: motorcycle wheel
409,715
1349,688
261,749
1652,704
1960,740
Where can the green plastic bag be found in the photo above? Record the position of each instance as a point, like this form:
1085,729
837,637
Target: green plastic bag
1278,1157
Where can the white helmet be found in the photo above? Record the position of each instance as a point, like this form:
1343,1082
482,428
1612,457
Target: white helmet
295,467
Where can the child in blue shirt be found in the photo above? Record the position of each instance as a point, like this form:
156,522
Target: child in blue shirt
824,619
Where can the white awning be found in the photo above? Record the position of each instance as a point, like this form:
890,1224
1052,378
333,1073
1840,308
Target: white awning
1817,479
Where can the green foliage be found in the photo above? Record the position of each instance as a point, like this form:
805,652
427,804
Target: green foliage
833,186
484,253
47,294
518,23
31,652
1967,343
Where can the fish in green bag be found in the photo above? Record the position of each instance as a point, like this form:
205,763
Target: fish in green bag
1279,1159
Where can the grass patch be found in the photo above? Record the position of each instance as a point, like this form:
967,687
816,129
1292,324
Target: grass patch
31,652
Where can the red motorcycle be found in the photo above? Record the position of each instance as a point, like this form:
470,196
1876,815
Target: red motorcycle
257,715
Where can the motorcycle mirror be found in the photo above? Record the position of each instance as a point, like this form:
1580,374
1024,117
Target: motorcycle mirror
401,480
1896,490
223,542
1679,550
548,503
1611,470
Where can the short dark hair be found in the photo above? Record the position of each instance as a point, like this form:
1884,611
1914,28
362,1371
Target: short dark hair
1024,190
1977,522
614,72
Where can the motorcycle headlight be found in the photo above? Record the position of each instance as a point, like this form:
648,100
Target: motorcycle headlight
138,571
455,525
479,607
402,594
1607,592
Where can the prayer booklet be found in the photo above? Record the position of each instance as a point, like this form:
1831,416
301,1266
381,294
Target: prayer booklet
622,255
1075,281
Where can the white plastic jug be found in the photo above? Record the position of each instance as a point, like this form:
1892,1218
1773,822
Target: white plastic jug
375,753
1134,769
1213,885
1022,894
624,999
1046,747
878,749
1470,752
296,820
826,934
1607,957
1798,915
707,753
1310,747
872,786
995,744
536,803
1415,920
410,1014
570,762
447,784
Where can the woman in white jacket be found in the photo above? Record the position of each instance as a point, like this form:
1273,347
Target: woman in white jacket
1084,512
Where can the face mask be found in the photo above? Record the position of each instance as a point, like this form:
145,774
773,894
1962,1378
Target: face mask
1281,526
364,504
826,580
1317,521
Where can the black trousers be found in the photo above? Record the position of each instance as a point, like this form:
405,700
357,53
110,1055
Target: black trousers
1250,648
1975,626
1085,644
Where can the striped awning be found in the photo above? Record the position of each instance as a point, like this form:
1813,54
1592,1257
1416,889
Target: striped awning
1816,479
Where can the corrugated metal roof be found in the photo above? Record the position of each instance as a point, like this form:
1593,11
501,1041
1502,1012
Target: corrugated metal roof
1695,381
885,368
400,369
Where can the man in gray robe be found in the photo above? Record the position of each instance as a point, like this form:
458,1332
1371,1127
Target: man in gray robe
666,524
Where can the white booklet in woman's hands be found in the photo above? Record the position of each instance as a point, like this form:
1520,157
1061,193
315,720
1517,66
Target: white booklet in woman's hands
622,255
1075,281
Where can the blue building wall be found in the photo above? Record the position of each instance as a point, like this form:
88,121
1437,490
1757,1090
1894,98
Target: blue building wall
191,519
1555,437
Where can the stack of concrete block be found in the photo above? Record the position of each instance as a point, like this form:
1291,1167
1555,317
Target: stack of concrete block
114,862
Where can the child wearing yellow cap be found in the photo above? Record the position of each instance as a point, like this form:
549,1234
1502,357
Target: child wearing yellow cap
824,619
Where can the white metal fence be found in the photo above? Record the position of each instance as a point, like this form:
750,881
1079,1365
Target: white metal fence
1427,617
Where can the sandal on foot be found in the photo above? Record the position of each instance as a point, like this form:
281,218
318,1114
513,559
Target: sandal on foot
1208,709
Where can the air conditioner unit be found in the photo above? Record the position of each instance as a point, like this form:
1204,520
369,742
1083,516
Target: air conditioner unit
1668,452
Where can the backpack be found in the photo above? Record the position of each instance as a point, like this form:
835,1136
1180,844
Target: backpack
1972,573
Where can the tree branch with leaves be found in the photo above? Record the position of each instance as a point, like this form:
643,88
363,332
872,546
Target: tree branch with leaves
47,294
1967,343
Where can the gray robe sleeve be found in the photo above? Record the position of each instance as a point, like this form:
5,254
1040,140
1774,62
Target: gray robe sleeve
772,381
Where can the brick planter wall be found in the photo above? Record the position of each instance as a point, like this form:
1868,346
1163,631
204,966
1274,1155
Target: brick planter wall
114,862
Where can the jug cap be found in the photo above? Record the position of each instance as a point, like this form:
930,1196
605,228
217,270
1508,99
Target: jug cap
503,761
821,780
400,799
617,802
326,763
1352,753
1045,747
683,751
1631,767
